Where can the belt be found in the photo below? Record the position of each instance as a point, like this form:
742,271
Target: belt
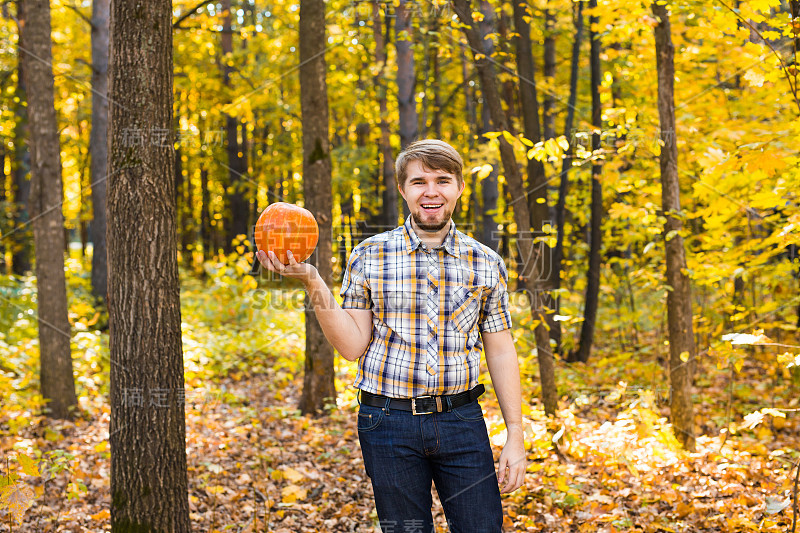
424,405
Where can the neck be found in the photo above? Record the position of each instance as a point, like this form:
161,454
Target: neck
431,239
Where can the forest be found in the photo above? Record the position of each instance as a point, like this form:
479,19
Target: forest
635,165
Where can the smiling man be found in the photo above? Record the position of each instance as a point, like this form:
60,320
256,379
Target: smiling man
421,303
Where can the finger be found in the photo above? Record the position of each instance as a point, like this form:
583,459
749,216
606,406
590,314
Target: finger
290,255
262,257
276,263
502,465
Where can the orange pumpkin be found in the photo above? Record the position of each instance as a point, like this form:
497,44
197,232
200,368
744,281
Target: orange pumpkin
283,227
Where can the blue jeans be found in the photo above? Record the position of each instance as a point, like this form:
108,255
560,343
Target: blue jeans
404,453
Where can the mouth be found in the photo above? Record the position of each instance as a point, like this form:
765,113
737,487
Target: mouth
431,208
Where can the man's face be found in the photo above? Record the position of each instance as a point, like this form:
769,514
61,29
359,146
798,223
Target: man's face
431,196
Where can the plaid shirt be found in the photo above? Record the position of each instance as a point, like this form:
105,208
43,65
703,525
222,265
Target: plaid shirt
402,281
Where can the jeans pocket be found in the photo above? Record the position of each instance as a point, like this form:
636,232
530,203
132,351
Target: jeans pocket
369,418
469,412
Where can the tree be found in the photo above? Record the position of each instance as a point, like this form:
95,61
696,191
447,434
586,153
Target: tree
57,380
596,217
537,181
679,296
563,186
236,149
149,489
528,269
98,144
20,245
406,74
318,382
389,218
489,190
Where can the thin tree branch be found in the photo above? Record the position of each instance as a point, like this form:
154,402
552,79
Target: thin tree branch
80,14
189,13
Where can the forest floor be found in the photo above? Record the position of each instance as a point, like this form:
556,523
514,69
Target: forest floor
255,464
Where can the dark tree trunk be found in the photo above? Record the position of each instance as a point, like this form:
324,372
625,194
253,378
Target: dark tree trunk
46,195
98,145
389,210
537,181
527,268
205,215
549,72
489,191
406,74
469,96
21,243
596,222
679,298
318,382
237,167
149,488
566,164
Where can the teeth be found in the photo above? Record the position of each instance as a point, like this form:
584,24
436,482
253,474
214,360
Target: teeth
432,205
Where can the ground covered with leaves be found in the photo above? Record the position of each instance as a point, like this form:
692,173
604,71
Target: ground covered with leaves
608,462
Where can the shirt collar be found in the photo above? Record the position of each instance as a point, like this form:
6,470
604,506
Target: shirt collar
413,241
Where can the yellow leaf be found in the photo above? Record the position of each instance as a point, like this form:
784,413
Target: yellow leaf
105,514
484,171
292,493
101,447
28,465
684,356
756,79
292,475
17,499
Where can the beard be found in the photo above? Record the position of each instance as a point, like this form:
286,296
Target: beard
434,225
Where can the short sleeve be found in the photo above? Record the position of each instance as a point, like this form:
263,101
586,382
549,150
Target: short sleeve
496,316
355,289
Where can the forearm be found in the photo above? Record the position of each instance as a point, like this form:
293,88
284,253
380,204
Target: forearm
504,371
341,329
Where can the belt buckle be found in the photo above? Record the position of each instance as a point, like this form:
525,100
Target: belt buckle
414,405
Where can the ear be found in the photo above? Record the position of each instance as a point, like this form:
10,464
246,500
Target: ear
402,192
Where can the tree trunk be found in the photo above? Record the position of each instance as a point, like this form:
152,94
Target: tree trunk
527,268
566,164
57,381
596,217
318,382
21,243
549,72
237,167
149,487
205,215
489,185
537,181
679,297
389,210
406,75
98,145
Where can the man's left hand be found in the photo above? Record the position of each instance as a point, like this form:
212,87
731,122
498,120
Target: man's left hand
512,464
